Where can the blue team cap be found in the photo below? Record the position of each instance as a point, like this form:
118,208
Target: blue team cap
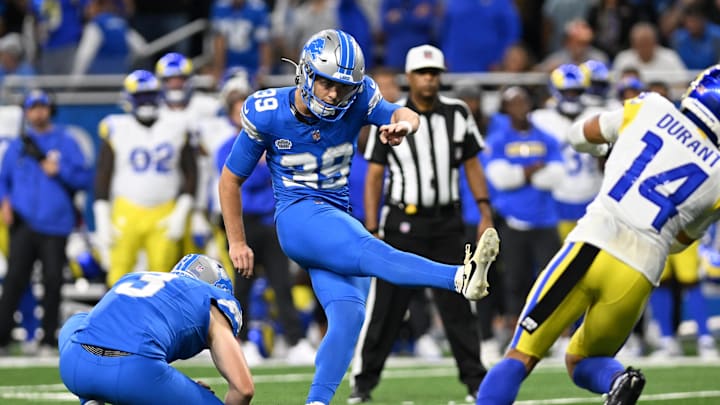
35,97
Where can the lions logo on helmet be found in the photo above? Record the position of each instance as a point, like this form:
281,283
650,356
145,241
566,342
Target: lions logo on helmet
596,77
567,84
701,102
203,268
141,95
336,56
175,70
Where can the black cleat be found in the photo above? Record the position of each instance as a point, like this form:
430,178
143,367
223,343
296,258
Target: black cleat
357,396
626,388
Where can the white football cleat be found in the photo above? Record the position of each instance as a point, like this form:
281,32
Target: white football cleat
474,284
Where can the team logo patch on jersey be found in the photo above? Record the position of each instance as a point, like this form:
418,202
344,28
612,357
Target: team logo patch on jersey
283,144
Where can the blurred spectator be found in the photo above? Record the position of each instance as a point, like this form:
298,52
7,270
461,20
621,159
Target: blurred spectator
577,47
307,19
697,40
523,164
406,24
471,93
532,26
156,18
556,15
352,19
611,21
107,44
12,61
58,27
42,216
516,59
646,54
241,37
12,16
660,88
629,87
474,34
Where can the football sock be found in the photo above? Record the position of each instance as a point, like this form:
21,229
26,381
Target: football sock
502,383
661,302
596,374
697,308
345,318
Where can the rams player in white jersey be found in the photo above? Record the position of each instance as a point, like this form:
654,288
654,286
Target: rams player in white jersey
145,182
581,180
660,192
175,73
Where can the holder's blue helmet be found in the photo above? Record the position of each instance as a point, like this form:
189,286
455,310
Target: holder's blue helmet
171,65
141,95
203,268
701,102
567,84
336,56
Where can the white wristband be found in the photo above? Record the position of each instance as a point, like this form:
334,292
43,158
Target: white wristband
407,125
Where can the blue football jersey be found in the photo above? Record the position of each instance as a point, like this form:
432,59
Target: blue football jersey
308,157
157,315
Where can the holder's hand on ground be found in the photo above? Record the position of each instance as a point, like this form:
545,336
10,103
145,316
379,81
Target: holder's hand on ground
243,258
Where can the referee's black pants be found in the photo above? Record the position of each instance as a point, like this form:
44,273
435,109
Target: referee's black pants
438,238
26,246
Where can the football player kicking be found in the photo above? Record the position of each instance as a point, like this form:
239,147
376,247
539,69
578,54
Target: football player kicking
310,133
661,190
120,352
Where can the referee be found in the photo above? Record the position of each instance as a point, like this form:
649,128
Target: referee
422,215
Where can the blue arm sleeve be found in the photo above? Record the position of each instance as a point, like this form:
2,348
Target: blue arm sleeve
5,171
73,169
244,155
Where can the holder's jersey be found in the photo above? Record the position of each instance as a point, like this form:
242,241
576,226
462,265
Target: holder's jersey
306,159
10,122
147,159
582,178
159,315
212,134
662,176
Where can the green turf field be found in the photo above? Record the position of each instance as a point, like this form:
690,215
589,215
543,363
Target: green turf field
684,381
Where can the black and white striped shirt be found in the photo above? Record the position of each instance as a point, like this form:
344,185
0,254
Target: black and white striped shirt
424,168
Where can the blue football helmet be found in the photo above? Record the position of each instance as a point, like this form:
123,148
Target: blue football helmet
172,65
336,56
567,85
141,95
596,78
701,102
203,268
